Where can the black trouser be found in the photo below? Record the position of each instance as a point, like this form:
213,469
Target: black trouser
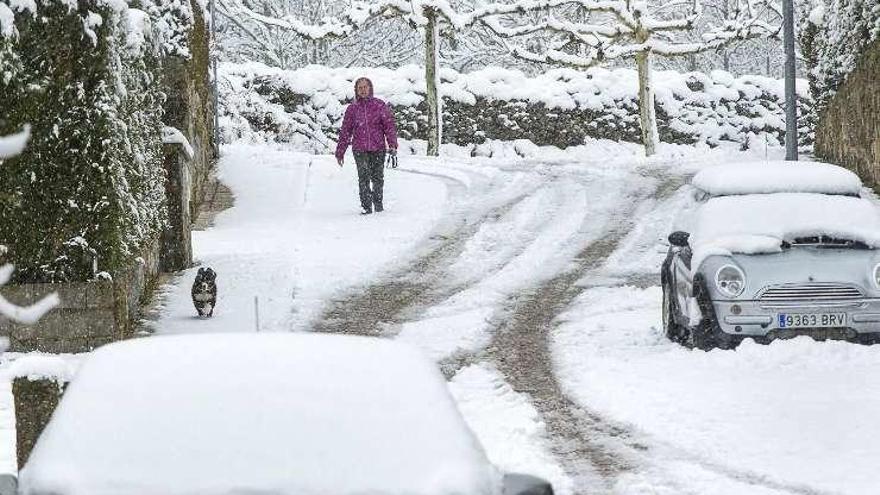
371,169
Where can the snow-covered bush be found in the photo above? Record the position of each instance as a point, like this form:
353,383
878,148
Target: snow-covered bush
561,107
173,20
88,191
835,35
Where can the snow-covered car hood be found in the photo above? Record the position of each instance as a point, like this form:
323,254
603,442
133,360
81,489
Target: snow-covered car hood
777,177
265,413
759,223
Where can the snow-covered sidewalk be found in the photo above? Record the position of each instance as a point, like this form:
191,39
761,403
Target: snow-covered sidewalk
295,238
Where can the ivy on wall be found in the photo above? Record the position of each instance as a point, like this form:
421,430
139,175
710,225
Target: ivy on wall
88,191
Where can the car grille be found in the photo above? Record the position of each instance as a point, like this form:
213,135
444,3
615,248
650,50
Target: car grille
805,293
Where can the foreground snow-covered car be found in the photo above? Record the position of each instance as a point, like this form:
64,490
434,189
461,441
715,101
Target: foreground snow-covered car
774,250
261,413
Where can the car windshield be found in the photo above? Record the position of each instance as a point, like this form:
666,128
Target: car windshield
766,223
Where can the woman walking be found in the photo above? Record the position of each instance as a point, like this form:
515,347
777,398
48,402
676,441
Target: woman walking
368,125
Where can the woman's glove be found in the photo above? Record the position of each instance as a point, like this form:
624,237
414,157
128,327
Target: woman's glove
392,158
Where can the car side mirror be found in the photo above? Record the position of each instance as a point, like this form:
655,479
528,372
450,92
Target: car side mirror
526,484
679,238
8,484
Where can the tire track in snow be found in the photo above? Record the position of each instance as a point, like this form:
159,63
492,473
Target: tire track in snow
594,450
420,283
591,448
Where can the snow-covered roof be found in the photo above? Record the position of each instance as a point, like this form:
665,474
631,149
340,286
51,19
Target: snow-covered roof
776,177
758,223
258,413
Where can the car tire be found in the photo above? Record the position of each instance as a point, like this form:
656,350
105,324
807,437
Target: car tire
707,334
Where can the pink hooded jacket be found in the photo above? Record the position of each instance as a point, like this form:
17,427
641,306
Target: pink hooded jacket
367,125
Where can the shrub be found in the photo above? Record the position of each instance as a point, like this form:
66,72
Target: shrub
88,192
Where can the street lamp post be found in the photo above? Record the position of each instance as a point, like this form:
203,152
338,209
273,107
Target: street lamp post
213,58
791,136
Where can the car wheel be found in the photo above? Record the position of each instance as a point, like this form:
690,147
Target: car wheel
707,334
700,336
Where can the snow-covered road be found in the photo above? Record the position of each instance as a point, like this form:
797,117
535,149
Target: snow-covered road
531,278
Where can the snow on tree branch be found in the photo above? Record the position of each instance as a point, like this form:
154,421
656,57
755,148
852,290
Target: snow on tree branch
15,143
637,29
621,29
27,315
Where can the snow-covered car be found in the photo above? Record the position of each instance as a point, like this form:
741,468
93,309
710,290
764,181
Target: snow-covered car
773,250
261,413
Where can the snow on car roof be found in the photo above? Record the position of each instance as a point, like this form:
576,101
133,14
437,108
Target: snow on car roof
758,223
776,177
258,413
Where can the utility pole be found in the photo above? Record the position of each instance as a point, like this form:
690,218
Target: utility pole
791,137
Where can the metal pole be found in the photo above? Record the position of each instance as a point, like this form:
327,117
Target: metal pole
257,313
791,137
213,58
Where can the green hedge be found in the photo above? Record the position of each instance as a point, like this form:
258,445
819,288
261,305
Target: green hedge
88,191
834,42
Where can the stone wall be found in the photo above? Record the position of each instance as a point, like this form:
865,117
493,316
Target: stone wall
35,401
848,131
177,237
90,314
190,106
559,108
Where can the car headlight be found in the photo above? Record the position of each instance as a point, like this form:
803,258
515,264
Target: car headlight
877,275
730,280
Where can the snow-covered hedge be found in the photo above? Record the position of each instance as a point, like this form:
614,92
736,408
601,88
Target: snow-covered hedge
174,20
836,34
88,191
560,107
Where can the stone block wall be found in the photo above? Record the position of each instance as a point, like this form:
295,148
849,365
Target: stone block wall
90,314
189,106
848,131
177,237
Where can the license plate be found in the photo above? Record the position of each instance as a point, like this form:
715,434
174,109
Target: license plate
811,320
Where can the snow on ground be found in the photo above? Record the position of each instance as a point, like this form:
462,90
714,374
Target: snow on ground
513,433
792,416
295,238
792,413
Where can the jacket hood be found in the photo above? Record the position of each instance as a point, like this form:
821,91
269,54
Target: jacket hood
370,83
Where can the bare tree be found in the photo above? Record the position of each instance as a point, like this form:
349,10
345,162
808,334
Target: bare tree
609,30
430,17
244,38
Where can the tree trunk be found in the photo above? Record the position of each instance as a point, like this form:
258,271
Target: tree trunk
435,122
647,115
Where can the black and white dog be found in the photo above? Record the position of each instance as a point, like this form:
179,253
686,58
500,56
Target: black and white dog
204,292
